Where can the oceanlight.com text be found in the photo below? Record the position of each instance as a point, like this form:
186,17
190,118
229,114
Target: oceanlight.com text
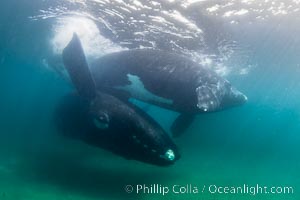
252,190
210,189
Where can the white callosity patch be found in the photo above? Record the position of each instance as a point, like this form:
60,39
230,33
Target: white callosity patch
138,91
169,155
210,96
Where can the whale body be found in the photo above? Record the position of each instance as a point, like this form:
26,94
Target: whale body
102,120
164,79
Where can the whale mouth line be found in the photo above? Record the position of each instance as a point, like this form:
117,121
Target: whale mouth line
238,98
145,146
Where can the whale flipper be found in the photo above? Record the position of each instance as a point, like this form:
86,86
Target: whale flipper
181,123
76,64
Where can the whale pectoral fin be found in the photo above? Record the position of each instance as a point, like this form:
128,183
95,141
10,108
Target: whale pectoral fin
181,123
77,67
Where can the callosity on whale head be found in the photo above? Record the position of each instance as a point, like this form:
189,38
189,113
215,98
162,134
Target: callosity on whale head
216,93
105,121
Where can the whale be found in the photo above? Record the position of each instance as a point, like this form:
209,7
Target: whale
164,79
104,121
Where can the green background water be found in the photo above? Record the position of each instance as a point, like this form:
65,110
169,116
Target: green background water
257,143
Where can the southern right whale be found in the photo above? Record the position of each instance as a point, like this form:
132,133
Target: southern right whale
104,121
164,79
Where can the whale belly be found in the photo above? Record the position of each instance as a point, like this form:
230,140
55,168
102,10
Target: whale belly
137,90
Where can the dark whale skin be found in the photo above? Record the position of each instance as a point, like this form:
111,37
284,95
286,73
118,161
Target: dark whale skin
167,75
102,120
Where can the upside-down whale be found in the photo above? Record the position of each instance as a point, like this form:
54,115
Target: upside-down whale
105,121
164,79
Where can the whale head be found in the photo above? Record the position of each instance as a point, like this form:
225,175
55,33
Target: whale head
133,133
218,94
107,123
233,97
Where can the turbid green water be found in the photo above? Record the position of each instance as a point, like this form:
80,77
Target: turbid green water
257,143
